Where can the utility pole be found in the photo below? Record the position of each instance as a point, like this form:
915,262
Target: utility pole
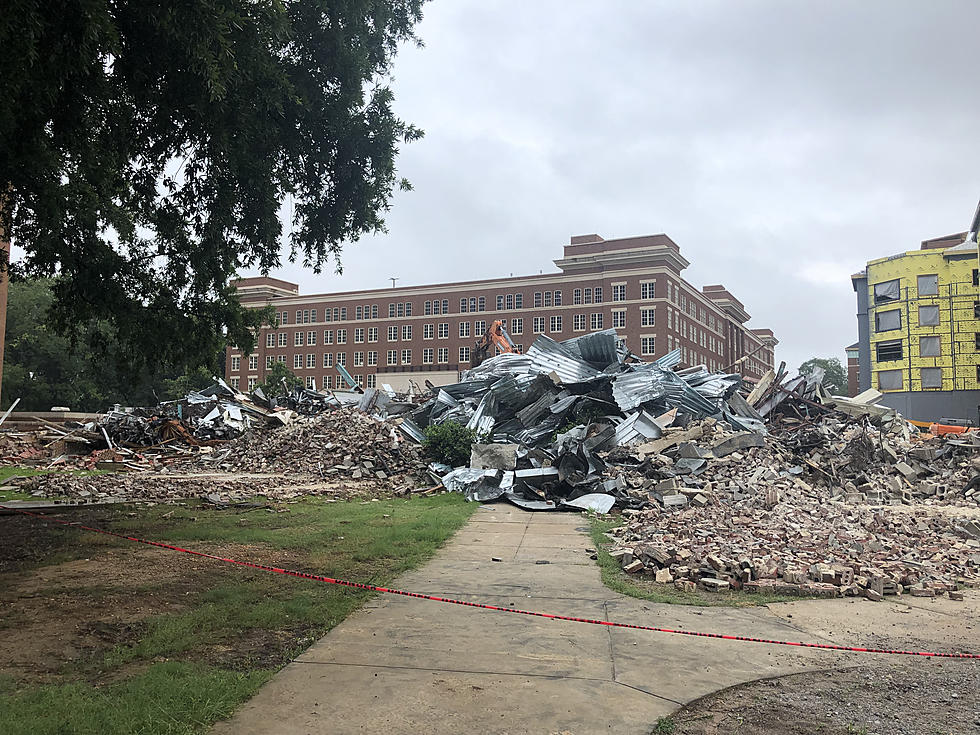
393,279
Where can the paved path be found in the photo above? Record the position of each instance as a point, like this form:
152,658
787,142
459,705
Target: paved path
402,665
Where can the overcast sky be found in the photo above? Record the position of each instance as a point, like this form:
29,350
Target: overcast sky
780,144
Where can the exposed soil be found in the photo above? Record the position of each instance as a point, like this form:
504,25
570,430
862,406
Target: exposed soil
911,697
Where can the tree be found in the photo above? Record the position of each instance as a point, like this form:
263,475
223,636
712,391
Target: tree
835,376
148,152
274,376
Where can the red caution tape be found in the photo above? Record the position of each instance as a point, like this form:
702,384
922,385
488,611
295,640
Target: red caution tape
482,606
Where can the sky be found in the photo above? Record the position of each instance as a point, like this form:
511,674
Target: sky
780,144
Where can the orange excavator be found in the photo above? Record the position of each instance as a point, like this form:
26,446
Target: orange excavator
495,337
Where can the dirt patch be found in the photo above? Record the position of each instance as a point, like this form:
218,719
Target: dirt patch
911,697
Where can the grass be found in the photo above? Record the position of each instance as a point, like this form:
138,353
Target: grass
221,639
664,726
645,589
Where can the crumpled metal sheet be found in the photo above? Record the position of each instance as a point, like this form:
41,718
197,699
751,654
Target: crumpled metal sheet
642,384
598,348
639,425
598,502
548,356
475,485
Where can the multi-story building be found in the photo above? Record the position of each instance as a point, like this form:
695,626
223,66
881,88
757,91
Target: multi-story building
919,329
418,333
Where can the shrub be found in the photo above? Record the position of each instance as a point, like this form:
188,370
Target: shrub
449,443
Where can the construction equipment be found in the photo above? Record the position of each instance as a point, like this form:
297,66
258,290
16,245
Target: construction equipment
495,337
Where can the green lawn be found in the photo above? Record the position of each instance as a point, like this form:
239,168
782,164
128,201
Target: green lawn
227,629
645,588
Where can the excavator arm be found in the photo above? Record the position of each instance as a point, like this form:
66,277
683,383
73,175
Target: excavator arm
495,337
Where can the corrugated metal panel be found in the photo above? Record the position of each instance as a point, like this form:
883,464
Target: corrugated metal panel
642,384
670,360
598,348
548,356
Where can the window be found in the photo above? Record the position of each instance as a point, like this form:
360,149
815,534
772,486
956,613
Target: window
577,296
359,334
437,308
406,357
443,355
462,306
281,358
483,303
891,350
889,380
473,303
252,382
510,301
928,285
269,359
372,381
538,325
619,292
647,345
619,319
500,302
311,338
311,382
298,339
328,336
588,296
928,316
976,277
359,379
327,359
374,311
428,331
392,357
299,316
358,359
427,308
359,313
235,382
931,377
341,336
517,325
326,315
297,361
928,347
596,322
342,358
479,328
427,356
270,340
647,317
885,321
313,315
537,299
464,354
372,334
283,339
406,332
372,357
464,329
400,308
343,313
306,316
392,334
236,364
578,322
518,301
597,294
555,324
976,341
311,360
547,298
445,306
444,330
284,317
886,291
391,311
557,298
253,362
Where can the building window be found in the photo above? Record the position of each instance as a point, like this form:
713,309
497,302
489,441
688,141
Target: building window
577,296
372,334
464,329
518,301
427,308
298,339
647,317
359,313
359,335
464,354
299,316
297,361
311,360
557,298
408,308
445,306
517,325
252,383
341,336
392,357
443,355
890,380
269,359
372,357
427,356
281,358
886,291
235,382
406,357
283,339
619,319
928,285
374,311
931,377
270,340
886,351
253,362
929,316
537,300
236,364
358,359
597,294
391,311
578,322
311,382
510,301
538,325
596,322
473,303
443,330
976,277
547,298
372,381
885,321
479,328
500,302
588,296
284,317
648,289
619,292
428,331
311,338
483,304
328,336
392,334
928,347
327,359
555,324
462,306
406,332
647,345
342,358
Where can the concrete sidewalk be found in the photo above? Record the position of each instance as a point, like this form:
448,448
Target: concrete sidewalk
403,665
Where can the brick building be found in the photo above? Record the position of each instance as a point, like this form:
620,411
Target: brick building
418,333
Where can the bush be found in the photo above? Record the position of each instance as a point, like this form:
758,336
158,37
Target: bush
449,443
